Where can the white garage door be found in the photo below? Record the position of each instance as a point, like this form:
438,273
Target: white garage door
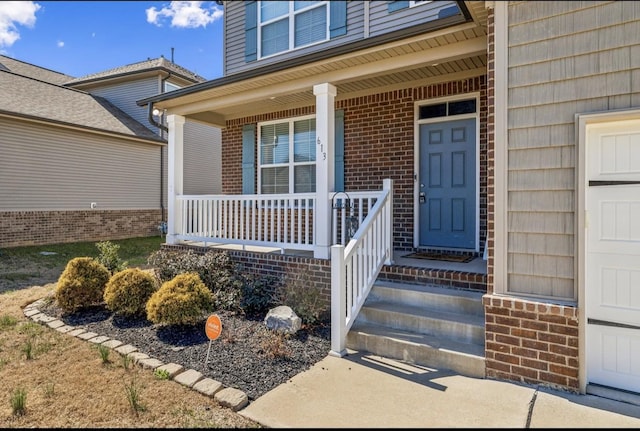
612,291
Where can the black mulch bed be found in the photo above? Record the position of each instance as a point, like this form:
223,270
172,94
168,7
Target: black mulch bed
239,358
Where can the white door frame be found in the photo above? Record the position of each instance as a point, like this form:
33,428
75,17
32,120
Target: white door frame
581,122
416,159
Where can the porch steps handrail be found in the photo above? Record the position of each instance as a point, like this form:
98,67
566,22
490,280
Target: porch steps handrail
355,267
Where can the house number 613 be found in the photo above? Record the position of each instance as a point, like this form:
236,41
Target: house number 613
324,155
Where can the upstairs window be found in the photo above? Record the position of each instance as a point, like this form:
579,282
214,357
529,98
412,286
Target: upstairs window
284,26
170,87
287,156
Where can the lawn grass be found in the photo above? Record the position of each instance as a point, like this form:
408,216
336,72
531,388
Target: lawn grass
134,250
40,264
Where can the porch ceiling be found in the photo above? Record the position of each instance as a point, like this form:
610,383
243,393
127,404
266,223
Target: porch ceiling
447,54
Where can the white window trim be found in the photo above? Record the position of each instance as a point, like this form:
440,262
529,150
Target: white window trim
418,3
289,15
291,164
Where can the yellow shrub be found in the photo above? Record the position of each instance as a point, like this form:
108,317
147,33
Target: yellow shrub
183,300
81,284
128,291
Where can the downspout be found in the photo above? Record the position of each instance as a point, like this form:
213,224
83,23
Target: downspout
162,128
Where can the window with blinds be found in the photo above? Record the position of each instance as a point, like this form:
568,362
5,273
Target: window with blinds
287,156
285,26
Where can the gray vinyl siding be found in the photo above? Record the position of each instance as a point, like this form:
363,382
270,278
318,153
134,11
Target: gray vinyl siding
124,95
381,21
235,37
202,159
48,168
564,58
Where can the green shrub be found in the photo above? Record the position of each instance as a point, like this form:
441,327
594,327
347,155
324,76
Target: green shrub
109,257
259,294
128,291
81,284
184,300
215,269
304,297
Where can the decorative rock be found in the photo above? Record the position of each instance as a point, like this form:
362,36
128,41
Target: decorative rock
208,386
55,324
112,344
188,378
138,356
283,318
99,339
31,312
76,332
87,335
150,363
126,349
64,329
172,369
232,398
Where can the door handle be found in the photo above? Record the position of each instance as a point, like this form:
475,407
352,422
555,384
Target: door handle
422,197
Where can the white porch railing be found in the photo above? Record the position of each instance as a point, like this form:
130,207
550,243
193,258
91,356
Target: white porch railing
282,221
354,268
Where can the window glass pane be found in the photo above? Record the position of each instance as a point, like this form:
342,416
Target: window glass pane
433,111
311,26
274,143
462,107
304,179
304,136
275,180
273,9
297,5
275,37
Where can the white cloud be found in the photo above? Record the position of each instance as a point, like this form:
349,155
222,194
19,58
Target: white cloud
187,14
12,14
60,44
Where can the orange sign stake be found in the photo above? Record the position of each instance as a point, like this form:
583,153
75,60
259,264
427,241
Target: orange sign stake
213,329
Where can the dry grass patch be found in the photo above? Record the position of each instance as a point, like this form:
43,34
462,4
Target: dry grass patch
68,385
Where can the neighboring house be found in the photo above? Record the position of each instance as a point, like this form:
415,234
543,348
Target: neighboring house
81,161
510,129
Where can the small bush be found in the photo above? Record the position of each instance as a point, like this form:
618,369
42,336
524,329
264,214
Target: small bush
128,291
81,284
215,269
259,294
184,300
109,257
299,293
274,346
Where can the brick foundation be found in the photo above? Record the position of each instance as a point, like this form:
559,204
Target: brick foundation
531,342
22,228
281,266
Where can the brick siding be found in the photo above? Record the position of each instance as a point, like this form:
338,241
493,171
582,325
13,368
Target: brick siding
379,143
531,342
22,228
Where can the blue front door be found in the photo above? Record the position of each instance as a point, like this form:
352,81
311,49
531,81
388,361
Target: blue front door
447,184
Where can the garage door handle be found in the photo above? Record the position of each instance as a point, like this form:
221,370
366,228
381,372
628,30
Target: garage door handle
614,324
611,183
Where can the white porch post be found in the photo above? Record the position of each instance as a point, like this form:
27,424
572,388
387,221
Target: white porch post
325,183
175,176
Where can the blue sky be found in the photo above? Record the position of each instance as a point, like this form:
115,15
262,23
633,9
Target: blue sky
83,37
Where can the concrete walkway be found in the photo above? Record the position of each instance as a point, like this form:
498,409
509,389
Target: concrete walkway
365,391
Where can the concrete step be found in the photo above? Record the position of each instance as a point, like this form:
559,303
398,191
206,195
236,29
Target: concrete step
421,349
423,324
456,326
430,296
